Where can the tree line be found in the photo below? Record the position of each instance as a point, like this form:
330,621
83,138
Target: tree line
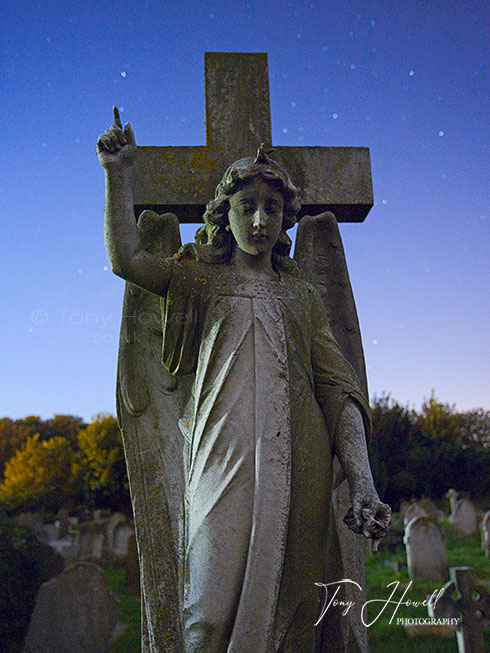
427,452
63,461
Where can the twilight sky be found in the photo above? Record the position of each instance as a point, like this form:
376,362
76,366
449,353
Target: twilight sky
407,79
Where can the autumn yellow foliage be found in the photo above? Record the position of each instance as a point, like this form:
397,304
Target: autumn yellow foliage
37,473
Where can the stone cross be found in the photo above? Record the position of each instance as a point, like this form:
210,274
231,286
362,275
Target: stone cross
473,606
182,179
453,496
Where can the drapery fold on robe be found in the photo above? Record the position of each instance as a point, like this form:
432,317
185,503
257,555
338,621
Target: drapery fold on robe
270,386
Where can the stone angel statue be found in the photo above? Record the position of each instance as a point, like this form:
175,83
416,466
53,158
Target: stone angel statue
237,405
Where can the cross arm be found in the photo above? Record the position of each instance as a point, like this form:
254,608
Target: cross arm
182,179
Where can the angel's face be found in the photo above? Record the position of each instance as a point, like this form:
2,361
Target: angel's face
255,216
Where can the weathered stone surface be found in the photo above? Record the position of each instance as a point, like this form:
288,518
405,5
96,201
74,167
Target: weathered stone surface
76,611
67,547
245,455
412,511
182,179
404,504
485,533
51,531
453,496
430,508
426,550
320,255
64,522
464,518
228,523
110,526
98,518
91,542
468,604
122,534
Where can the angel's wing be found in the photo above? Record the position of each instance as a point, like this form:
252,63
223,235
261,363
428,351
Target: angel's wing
320,255
150,402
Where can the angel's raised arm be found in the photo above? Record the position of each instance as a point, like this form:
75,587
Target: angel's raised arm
116,149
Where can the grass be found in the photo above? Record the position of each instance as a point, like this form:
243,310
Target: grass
129,614
383,636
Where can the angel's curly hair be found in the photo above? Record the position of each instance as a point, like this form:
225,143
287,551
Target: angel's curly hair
215,243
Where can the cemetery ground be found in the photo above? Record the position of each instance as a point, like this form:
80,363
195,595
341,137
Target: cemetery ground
389,564
129,613
385,567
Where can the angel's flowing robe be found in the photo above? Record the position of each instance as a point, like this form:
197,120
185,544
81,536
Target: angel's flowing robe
270,386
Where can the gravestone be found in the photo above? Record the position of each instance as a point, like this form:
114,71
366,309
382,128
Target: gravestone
67,548
467,601
430,508
64,522
97,516
122,535
426,550
76,611
90,543
404,504
51,531
464,518
413,511
485,533
110,526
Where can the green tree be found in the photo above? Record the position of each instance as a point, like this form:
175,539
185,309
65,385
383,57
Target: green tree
99,476
12,436
393,425
475,428
13,433
451,452
65,426
439,420
37,475
426,452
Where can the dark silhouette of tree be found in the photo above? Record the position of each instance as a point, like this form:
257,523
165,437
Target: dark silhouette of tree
425,453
